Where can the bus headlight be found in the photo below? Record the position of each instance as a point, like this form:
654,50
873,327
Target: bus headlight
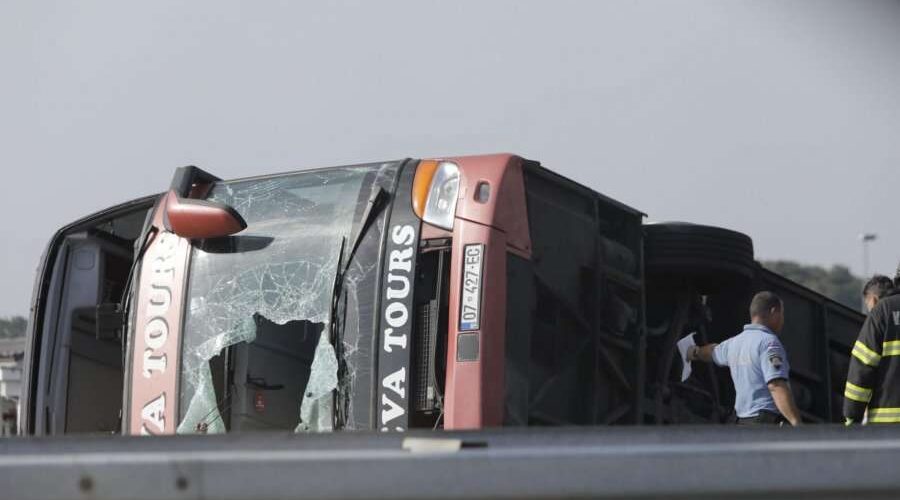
435,191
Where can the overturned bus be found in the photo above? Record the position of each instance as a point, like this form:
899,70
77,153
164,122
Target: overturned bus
453,293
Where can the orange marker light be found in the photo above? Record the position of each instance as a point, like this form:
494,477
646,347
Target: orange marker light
435,191
422,184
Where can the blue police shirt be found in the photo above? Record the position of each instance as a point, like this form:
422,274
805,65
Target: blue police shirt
755,358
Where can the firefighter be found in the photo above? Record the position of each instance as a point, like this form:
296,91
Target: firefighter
758,364
875,289
872,378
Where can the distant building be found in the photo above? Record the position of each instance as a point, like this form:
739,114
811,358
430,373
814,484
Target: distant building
12,353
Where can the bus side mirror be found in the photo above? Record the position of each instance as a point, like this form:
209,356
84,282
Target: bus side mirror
194,218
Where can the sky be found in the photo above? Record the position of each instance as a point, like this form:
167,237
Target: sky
778,119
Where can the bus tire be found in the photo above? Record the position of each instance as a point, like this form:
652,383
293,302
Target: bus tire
708,258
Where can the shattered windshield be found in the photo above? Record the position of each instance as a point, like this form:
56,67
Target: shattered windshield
256,350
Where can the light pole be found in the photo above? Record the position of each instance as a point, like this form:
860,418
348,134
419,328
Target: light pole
865,238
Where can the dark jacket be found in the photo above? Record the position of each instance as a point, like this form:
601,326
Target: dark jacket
874,376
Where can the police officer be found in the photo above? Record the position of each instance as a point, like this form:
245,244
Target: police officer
874,363
758,364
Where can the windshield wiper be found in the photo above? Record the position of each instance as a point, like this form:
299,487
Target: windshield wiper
145,240
373,208
376,202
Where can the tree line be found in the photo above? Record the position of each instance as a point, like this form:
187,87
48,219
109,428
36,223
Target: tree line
13,326
836,282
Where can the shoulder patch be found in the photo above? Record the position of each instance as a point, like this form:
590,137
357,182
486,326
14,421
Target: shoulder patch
776,361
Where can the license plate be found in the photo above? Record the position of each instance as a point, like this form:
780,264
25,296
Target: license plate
470,303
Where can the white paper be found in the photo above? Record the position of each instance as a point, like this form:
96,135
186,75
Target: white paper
683,346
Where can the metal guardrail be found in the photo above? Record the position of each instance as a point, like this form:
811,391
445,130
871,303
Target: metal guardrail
637,462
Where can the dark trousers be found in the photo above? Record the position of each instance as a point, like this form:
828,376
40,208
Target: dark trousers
763,418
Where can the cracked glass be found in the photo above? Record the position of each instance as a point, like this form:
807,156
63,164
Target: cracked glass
257,352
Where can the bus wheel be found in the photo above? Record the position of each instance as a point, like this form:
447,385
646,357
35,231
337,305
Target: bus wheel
710,259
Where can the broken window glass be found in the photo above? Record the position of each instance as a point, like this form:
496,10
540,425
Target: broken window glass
256,350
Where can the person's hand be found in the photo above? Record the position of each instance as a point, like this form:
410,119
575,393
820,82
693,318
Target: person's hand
692,353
